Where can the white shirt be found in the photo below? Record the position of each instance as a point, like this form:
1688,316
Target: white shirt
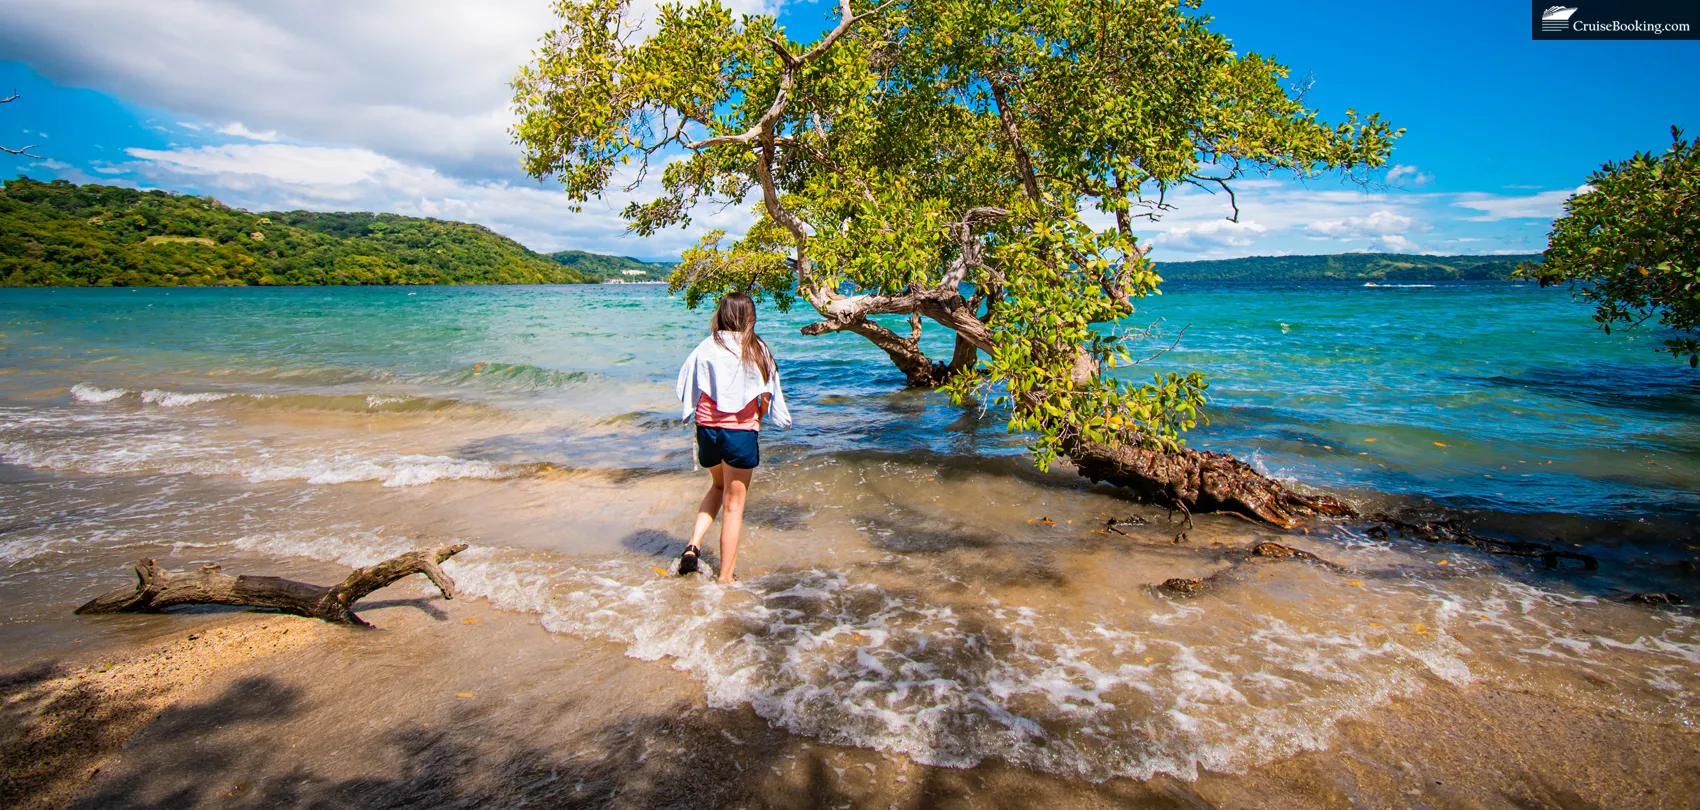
720,372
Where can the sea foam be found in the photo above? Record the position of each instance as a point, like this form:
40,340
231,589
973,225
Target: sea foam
824,654
84,392
140,442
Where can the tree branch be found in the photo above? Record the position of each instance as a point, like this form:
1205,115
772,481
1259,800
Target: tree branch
156,589
1023,163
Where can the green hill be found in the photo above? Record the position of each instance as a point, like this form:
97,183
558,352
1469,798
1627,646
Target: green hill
1347,267
61,234
614,268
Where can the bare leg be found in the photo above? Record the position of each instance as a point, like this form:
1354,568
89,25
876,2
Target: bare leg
737,486
710,503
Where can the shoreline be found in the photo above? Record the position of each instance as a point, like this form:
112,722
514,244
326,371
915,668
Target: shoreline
925,619
292,710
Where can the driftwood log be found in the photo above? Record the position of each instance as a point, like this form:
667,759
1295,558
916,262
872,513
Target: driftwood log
157,589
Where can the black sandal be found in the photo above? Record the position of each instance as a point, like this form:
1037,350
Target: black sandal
688,560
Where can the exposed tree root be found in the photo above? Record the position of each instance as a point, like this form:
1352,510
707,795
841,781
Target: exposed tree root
1657,599
1193,586
1200,481
156,589
1450,530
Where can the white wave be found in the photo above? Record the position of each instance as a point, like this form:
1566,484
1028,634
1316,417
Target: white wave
141,442
392,471
819,653
184,457
17,550
174,399
84,392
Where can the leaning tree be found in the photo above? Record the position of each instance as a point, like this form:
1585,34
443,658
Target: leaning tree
976,164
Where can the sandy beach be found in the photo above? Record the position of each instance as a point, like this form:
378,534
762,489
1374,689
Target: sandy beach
460,704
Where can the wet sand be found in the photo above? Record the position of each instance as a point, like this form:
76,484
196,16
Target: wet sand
570,674
459,704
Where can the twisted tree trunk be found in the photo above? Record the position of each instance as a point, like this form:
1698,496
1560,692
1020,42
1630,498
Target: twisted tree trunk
157,589
1184,479
1200,481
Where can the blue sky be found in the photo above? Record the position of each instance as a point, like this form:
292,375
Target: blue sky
401,105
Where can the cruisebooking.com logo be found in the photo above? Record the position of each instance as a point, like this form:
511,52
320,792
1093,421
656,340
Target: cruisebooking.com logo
1643,19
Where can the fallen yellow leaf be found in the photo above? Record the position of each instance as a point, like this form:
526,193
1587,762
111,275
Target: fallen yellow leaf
1442,562
473,620
466,694
1373,624
1149,659
1440,444
1358,582
1369,440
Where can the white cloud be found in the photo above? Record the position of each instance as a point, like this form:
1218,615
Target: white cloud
319,178
1408,174
236,130
1395,243
1211,235
422,81
1495,207
1377,223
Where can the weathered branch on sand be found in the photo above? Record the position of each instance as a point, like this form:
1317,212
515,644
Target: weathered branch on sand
157,589
1200,481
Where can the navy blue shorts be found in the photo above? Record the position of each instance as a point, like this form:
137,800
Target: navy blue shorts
734,448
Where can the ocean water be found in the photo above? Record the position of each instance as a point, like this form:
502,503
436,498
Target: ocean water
910,585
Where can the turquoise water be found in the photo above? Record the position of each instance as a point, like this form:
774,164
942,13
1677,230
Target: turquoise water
1485,395
909,584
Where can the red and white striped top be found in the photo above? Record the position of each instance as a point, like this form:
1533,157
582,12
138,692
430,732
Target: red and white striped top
747,418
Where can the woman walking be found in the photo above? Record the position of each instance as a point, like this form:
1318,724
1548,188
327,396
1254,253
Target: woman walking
728,384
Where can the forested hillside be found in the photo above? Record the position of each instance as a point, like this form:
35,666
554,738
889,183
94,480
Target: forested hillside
1346,266
61,234
619,268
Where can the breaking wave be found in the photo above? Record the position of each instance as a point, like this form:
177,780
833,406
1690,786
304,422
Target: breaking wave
339,403
1160,689
143,443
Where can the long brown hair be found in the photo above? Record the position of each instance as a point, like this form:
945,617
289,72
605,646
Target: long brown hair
737,313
